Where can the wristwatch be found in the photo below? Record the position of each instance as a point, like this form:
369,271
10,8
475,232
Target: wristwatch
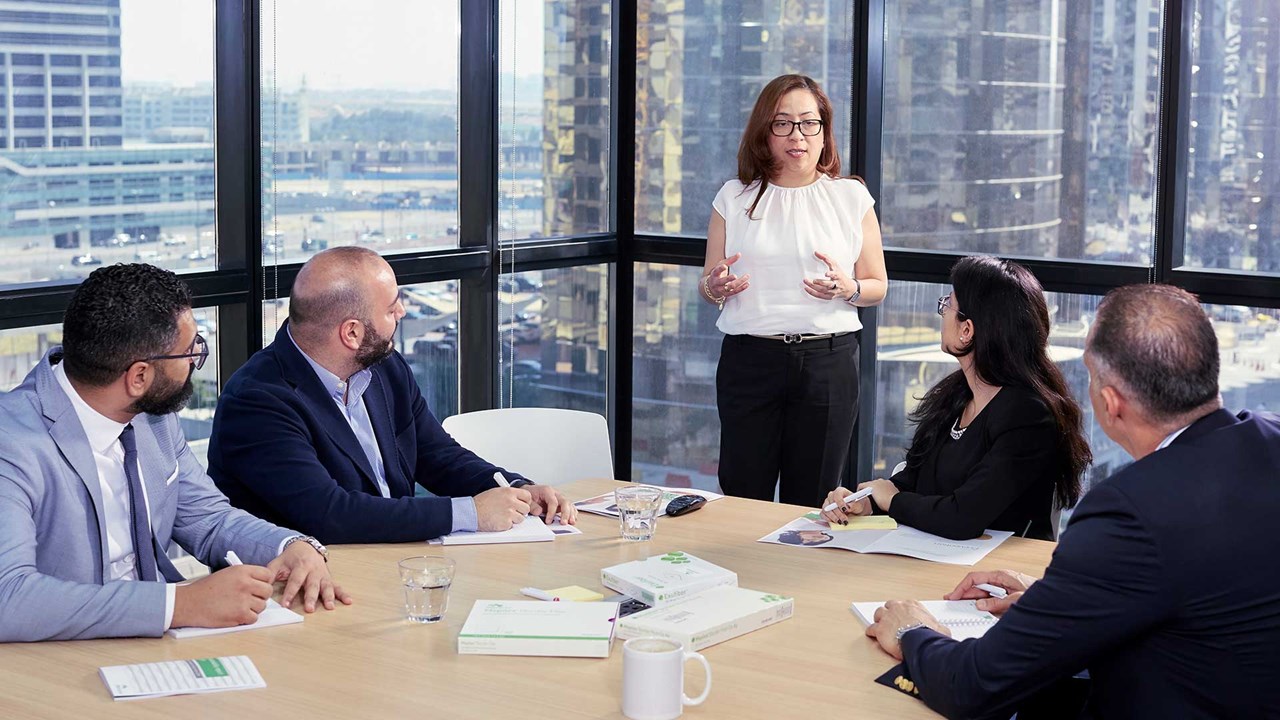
857,292
908,628
324,551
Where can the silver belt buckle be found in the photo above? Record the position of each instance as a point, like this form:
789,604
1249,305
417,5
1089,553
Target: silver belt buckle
792,338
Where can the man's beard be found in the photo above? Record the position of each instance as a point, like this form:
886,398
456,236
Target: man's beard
374,348
165,400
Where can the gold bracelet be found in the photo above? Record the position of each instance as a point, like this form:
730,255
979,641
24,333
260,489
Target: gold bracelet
706,291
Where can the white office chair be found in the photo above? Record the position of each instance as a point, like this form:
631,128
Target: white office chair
547,445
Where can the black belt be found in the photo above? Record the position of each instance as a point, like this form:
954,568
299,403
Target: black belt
793,338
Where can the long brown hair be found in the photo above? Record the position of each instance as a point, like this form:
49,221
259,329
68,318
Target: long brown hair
755,162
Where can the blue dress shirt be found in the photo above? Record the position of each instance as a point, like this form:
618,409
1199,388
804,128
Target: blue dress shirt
349,395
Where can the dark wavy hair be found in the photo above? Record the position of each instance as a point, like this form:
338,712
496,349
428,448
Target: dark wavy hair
119,315
755,161
1010,347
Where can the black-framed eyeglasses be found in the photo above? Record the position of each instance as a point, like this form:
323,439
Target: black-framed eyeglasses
200,353
944,302
784,128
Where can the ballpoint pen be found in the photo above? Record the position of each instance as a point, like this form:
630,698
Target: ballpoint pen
865,492
537,594
992,590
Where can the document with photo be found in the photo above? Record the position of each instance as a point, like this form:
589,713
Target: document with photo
810,533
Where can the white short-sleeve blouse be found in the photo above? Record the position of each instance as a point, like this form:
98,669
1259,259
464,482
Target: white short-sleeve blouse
778,244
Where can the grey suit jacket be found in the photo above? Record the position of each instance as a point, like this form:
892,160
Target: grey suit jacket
53,541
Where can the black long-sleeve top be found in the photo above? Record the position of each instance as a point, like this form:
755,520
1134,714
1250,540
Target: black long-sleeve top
1000,474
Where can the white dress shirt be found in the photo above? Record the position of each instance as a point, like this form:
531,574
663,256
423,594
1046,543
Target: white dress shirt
108,455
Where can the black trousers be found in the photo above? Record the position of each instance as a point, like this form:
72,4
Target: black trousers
786,410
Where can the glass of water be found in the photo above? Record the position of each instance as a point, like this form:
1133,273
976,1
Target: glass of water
426,580
638,511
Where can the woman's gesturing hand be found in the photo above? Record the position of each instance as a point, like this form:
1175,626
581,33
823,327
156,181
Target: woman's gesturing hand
835,284
721,283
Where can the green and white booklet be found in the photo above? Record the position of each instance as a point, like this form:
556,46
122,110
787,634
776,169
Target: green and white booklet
534,627
660,580
181,677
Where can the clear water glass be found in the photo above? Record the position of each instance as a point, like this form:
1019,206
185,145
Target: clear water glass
638,511
426,580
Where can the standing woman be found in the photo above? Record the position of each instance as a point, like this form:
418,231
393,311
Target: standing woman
792,251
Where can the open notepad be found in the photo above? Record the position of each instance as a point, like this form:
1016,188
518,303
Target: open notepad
962,617
533,529
272,615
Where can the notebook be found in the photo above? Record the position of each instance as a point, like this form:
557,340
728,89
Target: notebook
534,627
272,615
533,529
962,617
709,617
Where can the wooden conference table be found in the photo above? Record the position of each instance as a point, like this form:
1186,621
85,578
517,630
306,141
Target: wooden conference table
366,661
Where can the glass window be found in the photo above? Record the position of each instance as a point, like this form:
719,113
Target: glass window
909,362
1021,128
699,68
359,127
22,348
553,334
427,337
1249,345
553,172
675,427
154,60
1233,176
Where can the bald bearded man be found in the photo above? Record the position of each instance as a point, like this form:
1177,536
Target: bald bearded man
327,427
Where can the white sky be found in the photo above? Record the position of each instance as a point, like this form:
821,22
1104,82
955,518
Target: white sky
336,44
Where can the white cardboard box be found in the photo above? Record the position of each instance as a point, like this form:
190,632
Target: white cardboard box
709,618
660,580
534,627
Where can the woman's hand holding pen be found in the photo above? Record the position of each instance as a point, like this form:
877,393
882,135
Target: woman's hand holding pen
844,508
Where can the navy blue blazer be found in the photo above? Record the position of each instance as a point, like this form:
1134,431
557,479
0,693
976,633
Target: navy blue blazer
1163,586
281,449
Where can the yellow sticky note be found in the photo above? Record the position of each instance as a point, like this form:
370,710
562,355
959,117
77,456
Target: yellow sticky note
867,522
575,593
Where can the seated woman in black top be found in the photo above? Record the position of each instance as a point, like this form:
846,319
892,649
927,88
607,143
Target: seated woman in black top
999,441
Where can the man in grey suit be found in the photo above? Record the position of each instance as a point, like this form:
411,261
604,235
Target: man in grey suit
96,480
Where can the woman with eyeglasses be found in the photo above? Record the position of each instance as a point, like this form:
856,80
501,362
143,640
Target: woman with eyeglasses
793,250
999,442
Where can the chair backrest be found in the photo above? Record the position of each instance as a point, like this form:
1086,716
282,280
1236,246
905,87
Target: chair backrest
549,446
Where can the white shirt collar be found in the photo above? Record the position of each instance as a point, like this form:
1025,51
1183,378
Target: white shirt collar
100,429
1172,436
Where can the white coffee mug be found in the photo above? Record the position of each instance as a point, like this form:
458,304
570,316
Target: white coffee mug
653,679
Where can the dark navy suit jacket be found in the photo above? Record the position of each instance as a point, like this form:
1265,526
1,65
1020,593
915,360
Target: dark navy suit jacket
282,450
1165,586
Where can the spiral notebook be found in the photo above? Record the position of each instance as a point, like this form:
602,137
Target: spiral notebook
962,617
